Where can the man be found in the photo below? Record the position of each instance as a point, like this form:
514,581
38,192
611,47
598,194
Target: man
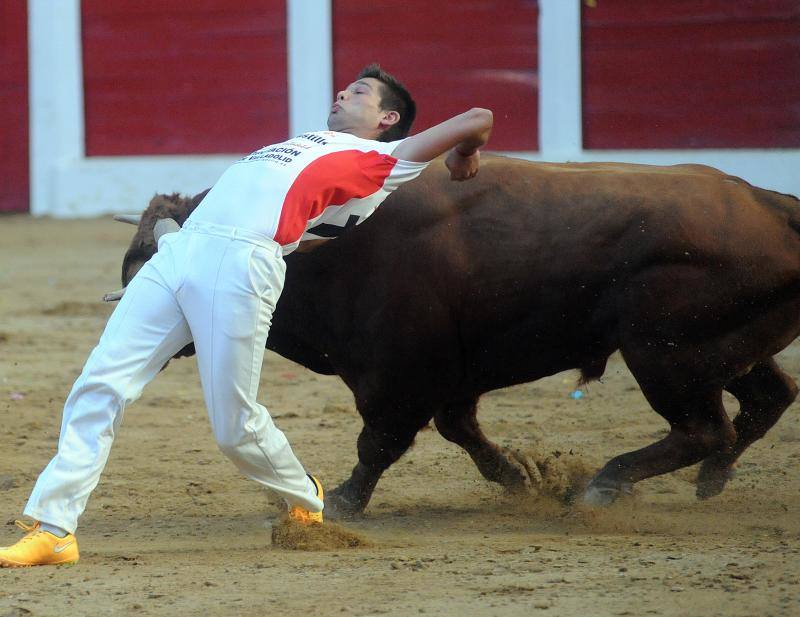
216,283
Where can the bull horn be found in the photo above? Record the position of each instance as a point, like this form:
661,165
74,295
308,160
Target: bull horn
114,295
163,227
133,219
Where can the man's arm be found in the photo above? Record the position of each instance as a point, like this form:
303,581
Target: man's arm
464,133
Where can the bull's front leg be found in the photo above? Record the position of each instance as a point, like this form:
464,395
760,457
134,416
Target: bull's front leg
515,471
386,435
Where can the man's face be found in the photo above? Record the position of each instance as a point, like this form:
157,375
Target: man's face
357,110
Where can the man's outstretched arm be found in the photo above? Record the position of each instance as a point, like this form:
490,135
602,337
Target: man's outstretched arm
464,133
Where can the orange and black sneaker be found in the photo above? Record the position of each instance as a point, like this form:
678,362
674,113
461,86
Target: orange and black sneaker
306,517
39,548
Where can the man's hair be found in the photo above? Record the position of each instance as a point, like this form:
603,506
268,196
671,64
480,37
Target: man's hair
394,97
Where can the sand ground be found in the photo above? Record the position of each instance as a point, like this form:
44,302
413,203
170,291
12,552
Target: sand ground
173,529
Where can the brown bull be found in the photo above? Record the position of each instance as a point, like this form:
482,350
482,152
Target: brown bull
452,290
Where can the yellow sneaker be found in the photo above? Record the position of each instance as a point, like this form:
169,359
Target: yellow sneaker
301,515
39,548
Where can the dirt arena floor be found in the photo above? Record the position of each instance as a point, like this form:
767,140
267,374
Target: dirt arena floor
173,529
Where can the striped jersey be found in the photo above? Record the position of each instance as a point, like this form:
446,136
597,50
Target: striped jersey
313,186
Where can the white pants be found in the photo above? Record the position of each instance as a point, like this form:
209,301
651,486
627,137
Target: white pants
216,286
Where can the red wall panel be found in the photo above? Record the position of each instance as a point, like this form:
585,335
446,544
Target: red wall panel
691,74
14,191
451,56
207,76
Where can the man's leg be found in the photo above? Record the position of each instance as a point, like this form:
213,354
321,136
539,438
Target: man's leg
142,334
230,318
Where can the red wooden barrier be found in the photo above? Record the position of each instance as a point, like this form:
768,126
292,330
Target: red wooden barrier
207,76
451,56
14,191
691,74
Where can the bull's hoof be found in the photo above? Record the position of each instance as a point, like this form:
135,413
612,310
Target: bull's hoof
712,478
338,506
517,472
602,494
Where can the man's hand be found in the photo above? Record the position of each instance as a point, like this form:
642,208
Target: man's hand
463,167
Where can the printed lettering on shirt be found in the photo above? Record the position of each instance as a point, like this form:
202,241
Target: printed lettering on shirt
313,137
281,154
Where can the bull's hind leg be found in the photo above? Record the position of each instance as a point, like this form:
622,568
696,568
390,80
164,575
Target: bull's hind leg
459,424
389,430
699,428
764,394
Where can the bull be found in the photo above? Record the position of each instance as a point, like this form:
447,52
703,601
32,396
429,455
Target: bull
452,290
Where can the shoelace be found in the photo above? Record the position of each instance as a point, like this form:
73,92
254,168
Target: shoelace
30,530
27,528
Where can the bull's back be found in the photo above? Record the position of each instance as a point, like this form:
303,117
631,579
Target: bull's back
613,218
535,261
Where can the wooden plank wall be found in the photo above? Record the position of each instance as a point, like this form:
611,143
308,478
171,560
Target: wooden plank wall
451,56
691,74
14,189
200,77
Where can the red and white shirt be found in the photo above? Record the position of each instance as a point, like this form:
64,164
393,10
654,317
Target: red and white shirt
313,186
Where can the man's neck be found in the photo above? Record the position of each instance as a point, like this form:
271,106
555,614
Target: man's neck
372,135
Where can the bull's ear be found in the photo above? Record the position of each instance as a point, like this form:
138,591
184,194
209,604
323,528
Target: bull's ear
164,226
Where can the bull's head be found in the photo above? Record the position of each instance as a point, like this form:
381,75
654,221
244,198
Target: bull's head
145,243
289,336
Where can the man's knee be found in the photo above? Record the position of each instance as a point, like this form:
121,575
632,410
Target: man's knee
230,442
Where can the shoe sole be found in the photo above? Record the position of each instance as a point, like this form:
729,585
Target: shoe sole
10,564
